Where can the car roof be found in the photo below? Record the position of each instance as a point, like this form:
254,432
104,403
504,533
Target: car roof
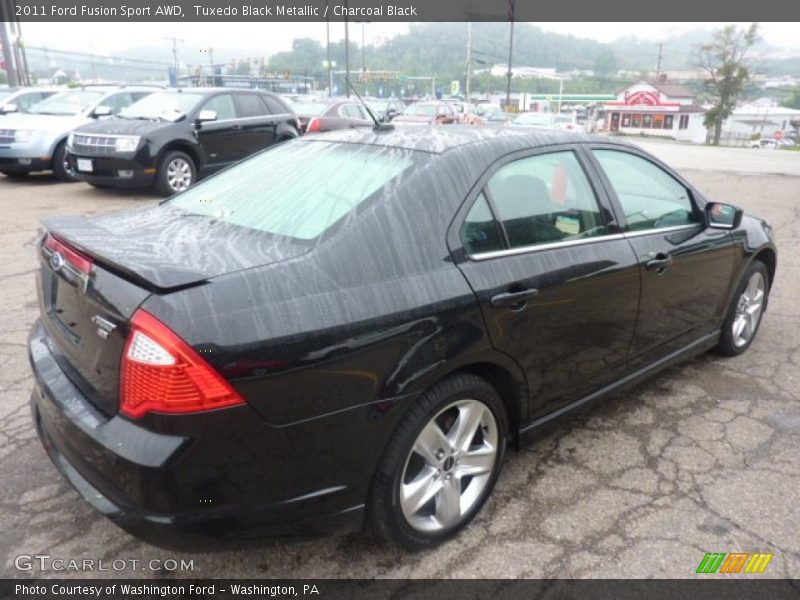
438,140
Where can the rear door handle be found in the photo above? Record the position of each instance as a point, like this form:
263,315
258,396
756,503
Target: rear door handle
236,127
659,263
513,298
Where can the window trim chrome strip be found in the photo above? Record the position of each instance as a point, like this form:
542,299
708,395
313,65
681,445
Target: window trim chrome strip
569,243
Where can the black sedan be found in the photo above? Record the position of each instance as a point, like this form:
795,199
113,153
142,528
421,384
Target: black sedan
171,139
363,339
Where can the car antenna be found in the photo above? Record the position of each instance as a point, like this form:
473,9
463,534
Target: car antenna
378,125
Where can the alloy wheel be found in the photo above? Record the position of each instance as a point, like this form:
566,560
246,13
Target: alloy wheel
748,310
179,174
449,466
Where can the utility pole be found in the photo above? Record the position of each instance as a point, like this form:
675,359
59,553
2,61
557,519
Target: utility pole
469,60
328,51
11,70
91,59
510,51
363,58
658,66
347,51
175,41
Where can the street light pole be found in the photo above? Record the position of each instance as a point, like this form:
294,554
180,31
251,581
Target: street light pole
363,58
469,60
11,71
510,52
346,51
328,51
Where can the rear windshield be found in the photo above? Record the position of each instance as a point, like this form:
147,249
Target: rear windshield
298,190
68,103
421,110
310,108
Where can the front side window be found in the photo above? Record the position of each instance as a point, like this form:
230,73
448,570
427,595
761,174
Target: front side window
298,190
544,199
223,106
650,197
118,102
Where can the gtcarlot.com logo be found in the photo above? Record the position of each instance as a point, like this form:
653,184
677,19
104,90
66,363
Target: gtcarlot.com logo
734,562
45,562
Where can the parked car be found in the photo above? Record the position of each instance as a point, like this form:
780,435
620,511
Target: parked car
538,120
37,140
566,122
484,109
386,109
466,112
320,115
357,324
765,144
497,119
171,139
428,112
20,99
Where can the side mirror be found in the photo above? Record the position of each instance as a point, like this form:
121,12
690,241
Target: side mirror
723,216
101,111
205,116
9,108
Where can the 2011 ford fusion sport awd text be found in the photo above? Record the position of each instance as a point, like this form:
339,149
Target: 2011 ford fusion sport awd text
353,326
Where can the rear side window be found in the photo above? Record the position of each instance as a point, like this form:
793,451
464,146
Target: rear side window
650,197
352,111
298,190
250,105
223,106
480,232
276,107
545,198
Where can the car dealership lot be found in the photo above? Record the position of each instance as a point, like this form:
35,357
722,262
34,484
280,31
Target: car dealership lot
704,458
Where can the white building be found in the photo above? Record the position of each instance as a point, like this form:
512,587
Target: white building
657,109
762,117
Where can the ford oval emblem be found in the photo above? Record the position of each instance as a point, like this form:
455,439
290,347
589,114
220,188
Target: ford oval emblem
56,261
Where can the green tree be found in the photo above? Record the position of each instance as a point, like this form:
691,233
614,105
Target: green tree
793,101
724,62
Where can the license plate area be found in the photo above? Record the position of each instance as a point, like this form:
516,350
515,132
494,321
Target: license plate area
85,165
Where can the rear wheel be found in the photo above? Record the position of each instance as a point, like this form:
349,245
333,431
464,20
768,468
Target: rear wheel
61,167
441,464
176,172
744,316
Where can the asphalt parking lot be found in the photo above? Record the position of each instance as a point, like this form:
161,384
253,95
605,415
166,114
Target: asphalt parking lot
704,458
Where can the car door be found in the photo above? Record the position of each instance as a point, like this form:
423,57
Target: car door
686,268
258,124
557,283
220,138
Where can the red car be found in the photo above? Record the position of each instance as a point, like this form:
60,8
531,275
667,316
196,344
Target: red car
432,112
319,115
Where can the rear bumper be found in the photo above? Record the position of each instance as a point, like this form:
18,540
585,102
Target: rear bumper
151,483
114,172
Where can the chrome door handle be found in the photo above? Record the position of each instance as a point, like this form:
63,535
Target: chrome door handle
659,263
513,298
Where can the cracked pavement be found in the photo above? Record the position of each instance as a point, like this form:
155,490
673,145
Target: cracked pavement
703,458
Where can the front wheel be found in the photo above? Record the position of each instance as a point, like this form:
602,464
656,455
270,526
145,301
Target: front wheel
61,167
441,464
744,316
176,172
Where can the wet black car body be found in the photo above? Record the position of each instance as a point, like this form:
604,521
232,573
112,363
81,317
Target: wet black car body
333,343
206,128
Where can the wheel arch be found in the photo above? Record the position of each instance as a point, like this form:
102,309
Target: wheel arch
769,257
180,146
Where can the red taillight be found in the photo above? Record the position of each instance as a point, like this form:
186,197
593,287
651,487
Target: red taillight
313,125
77,260
162,373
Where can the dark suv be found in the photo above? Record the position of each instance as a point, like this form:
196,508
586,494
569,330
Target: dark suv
171,139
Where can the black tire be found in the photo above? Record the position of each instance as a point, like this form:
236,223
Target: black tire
162,183
16,174
728,344
61,169
384,509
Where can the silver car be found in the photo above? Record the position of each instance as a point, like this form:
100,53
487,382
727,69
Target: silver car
36,140
20,99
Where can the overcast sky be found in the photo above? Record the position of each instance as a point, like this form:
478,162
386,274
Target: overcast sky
274,37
